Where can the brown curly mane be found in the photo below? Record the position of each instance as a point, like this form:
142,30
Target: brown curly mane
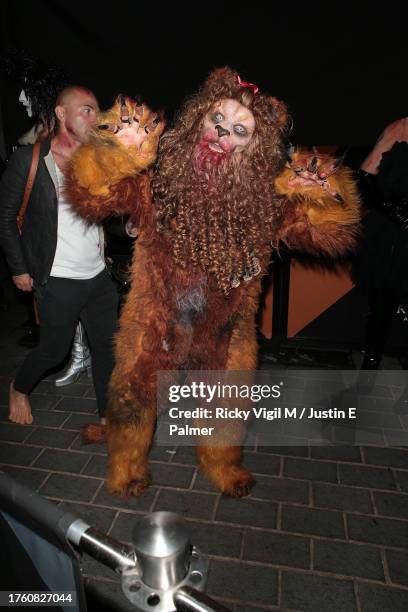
221,223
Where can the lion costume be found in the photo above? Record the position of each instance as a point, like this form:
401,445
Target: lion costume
222,195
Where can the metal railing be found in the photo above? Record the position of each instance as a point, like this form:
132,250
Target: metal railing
160,570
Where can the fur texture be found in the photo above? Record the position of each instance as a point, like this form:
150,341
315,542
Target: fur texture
183,311
321,210
105,175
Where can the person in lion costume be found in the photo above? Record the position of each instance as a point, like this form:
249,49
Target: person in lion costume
221,196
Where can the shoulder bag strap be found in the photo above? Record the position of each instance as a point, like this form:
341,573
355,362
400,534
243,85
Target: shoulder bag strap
29,185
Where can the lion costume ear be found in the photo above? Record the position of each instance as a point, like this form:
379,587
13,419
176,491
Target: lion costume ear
281,111
221,78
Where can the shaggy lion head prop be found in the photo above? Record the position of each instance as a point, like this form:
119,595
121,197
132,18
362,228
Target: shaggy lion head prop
213,184
123,144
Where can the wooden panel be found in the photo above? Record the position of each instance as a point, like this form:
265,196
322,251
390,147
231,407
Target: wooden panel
312,291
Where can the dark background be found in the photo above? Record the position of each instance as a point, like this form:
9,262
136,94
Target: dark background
340,67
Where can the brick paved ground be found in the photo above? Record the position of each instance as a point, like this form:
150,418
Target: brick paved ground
325,529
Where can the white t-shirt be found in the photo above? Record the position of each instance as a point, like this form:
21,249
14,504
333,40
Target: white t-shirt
78,254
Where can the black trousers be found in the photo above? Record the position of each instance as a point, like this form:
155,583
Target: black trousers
64,302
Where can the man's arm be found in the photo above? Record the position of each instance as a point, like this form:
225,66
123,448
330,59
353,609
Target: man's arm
12,187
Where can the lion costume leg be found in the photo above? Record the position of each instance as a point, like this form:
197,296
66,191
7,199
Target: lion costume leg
131,415
146,343
128,446
221,462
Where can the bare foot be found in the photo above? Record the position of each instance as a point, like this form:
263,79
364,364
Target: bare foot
19,406
103,421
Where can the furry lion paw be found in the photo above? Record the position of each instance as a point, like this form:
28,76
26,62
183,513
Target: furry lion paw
241,486
231,480
122,145
131,489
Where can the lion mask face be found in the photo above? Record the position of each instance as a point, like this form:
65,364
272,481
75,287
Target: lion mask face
228,127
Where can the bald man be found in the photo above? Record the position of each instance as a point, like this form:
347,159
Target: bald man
59,256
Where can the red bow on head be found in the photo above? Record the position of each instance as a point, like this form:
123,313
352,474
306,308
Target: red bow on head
254,88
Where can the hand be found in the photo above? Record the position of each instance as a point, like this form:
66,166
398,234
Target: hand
131,229
24,282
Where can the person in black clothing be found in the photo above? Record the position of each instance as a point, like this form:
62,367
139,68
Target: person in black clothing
393,183
381,268
39,85
59,256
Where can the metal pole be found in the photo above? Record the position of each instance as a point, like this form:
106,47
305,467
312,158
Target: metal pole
188,599
116,555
